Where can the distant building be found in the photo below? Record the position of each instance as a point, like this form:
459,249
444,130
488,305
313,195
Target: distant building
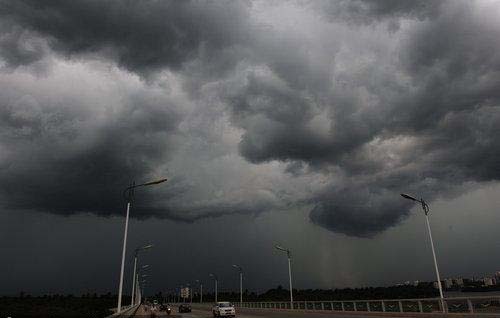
415,283
458,281
497,278
488,281
448,283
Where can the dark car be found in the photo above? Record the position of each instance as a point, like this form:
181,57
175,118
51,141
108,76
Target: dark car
184,308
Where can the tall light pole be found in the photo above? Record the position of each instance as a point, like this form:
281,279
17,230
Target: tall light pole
130,193
190,293
289,255
425,207
240,270
136,254
140,272
201,290
216,280
143,267
143,285
138,290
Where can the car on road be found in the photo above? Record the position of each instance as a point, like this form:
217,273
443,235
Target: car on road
223,309
184,308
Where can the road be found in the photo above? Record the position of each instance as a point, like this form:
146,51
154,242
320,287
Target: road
249,313
274,314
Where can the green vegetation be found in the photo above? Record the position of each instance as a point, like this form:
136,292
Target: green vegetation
58,306
392,292
423,290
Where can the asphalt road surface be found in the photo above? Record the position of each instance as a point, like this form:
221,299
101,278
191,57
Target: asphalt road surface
273,314
249,313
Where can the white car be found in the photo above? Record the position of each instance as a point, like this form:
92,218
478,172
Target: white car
223,309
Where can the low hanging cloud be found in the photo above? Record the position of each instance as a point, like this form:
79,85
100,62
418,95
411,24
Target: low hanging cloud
142,37
246,110
69,149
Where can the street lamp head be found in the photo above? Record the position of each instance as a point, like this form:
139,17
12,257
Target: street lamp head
154,182
278,247
425,206
213,275
238,267
143,248
406,196
287,251
131,188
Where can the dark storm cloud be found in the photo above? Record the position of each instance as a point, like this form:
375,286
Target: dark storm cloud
88,163
454,112
359,211
20,47
63,159
274,117
373,112
369,11
142,36
430,134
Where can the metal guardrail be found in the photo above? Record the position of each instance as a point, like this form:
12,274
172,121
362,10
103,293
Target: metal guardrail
472,305
127,311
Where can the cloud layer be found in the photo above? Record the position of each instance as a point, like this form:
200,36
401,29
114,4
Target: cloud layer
248,106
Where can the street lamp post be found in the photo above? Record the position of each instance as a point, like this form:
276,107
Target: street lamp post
138,292
289,255
240,270
425,208
136,254
143,285
130,191
216,281
201,290
190,293
143,267
133,279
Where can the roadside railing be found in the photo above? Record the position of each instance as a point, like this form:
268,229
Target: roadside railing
127,311
473,305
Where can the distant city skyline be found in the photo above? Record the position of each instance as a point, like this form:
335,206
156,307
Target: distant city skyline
460,281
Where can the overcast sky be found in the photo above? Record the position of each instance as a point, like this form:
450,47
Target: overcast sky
290,122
